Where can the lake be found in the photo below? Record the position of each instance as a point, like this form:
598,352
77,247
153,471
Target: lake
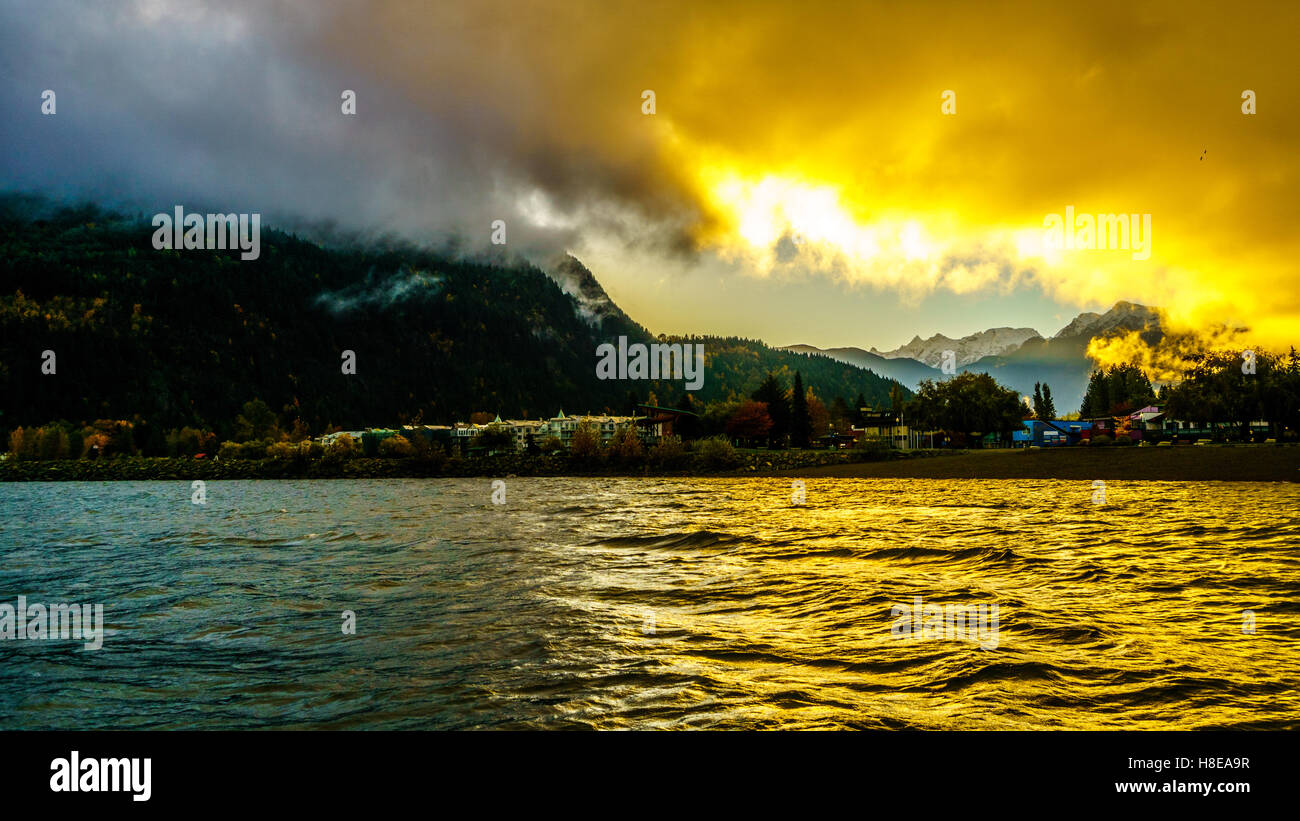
657,603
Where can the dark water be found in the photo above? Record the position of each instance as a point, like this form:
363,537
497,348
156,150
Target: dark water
625,603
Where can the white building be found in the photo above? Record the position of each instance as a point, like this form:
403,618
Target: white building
562,427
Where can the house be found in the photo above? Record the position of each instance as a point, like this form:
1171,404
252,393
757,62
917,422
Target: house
609,425
371,438
835,441
1181,429
878,424
660,422
1050,433
527,432
437,437
562,427
890,427
330,438
1043,433
1148,421
465,435
1099,426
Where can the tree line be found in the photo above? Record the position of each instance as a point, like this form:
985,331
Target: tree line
167,340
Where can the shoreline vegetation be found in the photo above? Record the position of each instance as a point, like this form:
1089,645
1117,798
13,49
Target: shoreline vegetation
1184,463
1239,462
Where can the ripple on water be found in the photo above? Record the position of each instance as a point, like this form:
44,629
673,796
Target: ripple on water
656,603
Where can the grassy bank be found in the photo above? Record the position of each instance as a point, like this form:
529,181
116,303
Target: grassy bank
1239,463
1244,463
747,462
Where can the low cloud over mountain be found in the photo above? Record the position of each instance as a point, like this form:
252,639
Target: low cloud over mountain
1016,357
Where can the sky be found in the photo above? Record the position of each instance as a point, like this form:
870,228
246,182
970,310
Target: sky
804,177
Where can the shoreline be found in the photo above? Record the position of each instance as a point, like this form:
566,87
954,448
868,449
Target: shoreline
1210,463
1232,463
142,468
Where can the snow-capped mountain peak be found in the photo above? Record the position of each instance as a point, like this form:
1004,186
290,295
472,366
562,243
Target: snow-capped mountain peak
972,348
1122,316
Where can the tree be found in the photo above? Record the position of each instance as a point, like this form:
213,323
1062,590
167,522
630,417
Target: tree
820,417
585,444
1116,391
1096,399
343,447
716,453
1049,407
840,415
189,441
22,443
53,443
668,452
716,416
687,427
773,394
1214,389
751,421
495,438
396,447
800,421
257,421
108,437
1043,406
858,405
626,448
281,451
896,399
969,403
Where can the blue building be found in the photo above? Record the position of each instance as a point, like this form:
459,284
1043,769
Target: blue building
1049,433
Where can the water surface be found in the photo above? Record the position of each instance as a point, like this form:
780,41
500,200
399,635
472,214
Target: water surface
639,603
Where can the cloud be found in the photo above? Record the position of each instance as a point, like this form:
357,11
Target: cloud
789,140
404,285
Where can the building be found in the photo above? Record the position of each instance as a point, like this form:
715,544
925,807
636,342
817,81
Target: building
890,427
436,437
1046,433
660,422
526,431
465,436
330,438
562,427
372,437
1180,429
1102,426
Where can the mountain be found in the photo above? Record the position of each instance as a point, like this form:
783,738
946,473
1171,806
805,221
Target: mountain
1016,357
185,337
968,349
592,303
1062,361
1123,316
908,372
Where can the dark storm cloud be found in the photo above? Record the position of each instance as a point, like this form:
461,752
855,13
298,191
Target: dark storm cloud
236,107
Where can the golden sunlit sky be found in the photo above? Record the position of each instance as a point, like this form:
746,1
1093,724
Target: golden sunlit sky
798,180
